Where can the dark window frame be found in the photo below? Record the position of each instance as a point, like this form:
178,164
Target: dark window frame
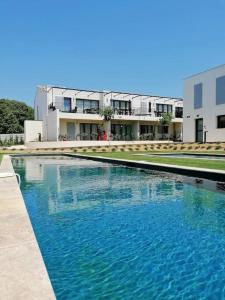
220,90
90,101
198,95
65,99
220,124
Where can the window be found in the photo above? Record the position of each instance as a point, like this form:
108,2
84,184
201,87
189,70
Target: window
67,104
179,112
163,108
121,106
198,95
86,105
220,90
221,121
149,107
88,131
146,129
122,131
163,129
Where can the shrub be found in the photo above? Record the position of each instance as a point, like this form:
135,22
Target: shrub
190,147
209,147
218,147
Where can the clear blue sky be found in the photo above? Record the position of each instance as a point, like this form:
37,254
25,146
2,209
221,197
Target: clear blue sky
129,45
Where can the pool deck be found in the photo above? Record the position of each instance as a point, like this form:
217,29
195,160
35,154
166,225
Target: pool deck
23,274
212,174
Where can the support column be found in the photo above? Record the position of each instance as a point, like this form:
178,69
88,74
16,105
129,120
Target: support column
107,128
136,130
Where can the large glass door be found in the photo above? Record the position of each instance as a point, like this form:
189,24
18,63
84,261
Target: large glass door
70,131
199,130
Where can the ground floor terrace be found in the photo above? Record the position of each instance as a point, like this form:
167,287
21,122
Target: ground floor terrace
117,130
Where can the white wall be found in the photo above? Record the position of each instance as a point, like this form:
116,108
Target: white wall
209,110
32,129
45,95
52,124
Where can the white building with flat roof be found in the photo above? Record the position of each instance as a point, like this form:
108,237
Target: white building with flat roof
204,106
69,114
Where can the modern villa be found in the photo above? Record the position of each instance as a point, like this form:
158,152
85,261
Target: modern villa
204,106
69,114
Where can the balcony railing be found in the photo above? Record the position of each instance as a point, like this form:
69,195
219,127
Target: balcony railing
123,111
117,111
62,108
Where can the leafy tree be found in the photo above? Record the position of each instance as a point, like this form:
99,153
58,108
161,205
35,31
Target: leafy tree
165,120
107,112
13,114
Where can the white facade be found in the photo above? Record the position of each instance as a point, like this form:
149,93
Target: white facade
204,99
73,114
33,131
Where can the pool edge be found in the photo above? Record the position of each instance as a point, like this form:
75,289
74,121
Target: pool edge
211,174
23,273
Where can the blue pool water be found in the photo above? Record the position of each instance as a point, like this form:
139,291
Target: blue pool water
111,232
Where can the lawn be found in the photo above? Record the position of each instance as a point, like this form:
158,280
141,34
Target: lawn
189,162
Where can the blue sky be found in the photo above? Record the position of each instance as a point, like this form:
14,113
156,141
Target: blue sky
140,46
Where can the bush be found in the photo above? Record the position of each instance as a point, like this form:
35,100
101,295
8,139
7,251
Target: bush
113,149
218,147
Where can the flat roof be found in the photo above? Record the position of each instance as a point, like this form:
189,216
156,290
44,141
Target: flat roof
114,92
207,70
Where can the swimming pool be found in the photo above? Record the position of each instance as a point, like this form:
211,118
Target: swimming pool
112,232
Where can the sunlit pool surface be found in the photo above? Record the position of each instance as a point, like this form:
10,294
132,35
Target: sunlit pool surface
111,232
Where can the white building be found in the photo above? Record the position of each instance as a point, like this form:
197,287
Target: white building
72,114
204,106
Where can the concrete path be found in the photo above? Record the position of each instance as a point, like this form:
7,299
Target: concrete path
22,271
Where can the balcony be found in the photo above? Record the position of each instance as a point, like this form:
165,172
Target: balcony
123,111
67,109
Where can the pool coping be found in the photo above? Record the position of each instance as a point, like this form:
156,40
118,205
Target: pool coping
23,274
212,174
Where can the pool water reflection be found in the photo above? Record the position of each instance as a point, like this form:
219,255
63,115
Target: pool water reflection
111,232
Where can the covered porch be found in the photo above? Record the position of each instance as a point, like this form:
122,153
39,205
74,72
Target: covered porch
117,130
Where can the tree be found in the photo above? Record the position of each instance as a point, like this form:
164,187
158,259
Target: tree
13,114
107,112
165,120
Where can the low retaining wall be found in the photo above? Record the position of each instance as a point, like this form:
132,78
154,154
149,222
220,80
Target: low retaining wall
70,144
22,274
